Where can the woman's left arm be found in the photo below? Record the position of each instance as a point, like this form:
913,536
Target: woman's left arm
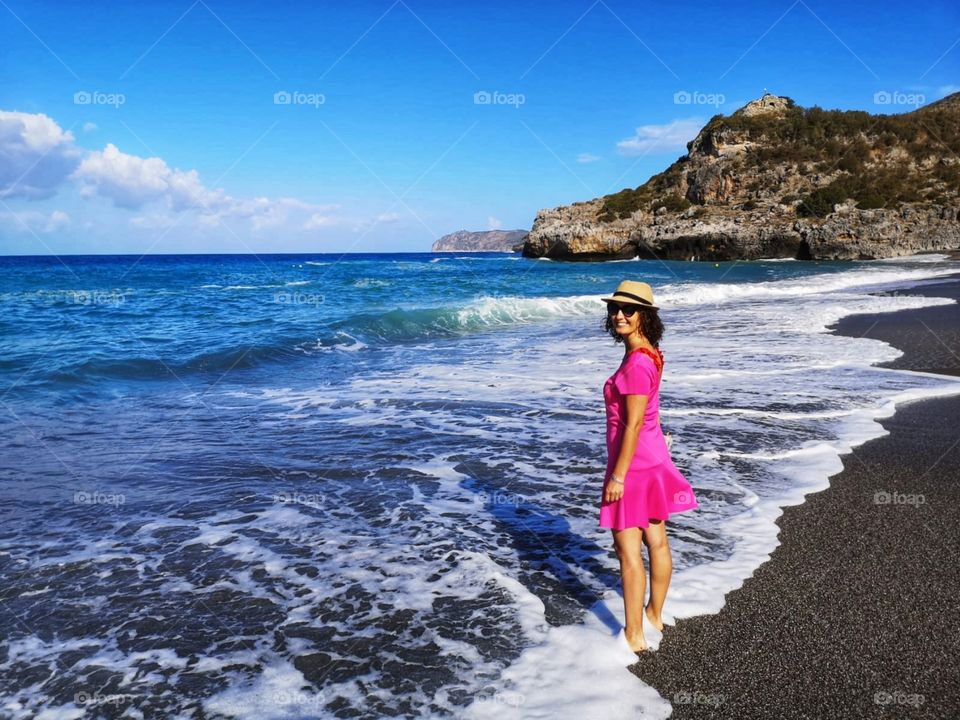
636,407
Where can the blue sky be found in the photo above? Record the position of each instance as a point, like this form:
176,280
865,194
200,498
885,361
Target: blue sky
157,127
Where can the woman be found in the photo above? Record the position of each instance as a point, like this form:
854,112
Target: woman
642,486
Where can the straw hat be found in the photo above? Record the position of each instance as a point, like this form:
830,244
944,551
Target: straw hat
636,293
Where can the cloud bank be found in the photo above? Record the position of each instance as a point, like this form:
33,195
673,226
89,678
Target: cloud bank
36,155
38,159
661,138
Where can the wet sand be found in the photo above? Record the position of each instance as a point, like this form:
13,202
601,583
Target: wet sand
856,613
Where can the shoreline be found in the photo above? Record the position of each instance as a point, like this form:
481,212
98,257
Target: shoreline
854,613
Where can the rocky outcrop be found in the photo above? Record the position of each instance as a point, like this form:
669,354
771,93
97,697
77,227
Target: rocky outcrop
776,180
847,234
485,241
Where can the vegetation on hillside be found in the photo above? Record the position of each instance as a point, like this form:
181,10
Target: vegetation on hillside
875,160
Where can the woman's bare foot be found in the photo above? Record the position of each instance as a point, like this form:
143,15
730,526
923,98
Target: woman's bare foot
655,621
637,643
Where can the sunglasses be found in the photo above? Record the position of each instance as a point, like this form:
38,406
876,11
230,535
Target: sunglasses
628,310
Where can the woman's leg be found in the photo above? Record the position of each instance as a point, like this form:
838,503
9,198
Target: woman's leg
661,568
628,545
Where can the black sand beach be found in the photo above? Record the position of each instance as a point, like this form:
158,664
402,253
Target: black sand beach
856,614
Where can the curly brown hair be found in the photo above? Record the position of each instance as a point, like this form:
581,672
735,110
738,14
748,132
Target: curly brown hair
650,325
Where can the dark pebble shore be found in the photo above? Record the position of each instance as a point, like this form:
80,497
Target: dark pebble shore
857,612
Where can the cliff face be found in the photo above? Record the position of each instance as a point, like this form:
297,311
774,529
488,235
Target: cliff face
487,241
777,180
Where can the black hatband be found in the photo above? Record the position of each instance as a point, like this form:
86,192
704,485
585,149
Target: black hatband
635,297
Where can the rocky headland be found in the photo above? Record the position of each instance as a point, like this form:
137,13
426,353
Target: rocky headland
485,241
775,180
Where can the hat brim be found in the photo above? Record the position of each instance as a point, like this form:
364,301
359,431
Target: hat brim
628,301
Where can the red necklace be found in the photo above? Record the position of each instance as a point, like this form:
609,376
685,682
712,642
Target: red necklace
654,355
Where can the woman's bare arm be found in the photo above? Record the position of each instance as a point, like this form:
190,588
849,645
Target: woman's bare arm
636,407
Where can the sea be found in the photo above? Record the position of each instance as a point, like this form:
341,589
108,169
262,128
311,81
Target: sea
368,485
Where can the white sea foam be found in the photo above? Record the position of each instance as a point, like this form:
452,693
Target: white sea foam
756,369
761,403
802,309
505,310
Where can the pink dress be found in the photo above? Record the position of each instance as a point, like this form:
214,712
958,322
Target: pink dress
653,487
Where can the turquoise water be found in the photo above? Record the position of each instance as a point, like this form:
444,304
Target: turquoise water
335,485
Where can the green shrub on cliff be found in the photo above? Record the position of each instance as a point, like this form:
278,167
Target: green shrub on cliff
812,143
820,202
625,203
673,203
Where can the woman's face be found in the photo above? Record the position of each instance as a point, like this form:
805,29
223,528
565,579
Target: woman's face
625,318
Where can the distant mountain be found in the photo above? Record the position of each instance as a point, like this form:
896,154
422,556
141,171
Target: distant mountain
774,179
484,241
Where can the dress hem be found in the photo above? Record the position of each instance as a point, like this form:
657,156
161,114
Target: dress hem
627,527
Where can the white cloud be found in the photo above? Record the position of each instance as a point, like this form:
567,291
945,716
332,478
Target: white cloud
37,158
318,220
57,220
36,155
661,138
365,224
131,181
584,158
32,221
493,223
153,221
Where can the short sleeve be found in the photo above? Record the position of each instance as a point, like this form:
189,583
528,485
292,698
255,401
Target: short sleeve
639,377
